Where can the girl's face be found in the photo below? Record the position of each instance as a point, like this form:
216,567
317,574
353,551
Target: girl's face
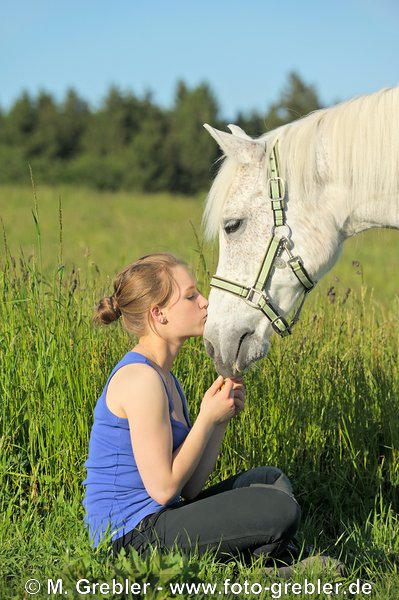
186,312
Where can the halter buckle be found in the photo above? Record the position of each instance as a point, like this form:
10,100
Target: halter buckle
284,329
281,188
254,293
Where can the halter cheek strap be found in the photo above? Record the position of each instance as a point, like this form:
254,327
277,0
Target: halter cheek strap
256,296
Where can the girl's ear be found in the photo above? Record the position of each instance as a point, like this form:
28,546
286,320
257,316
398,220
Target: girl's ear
157,315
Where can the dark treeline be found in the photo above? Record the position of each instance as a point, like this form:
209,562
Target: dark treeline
129,142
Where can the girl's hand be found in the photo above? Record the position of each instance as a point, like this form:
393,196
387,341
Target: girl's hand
218,404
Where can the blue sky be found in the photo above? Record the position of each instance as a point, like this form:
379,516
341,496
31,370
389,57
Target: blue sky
243,48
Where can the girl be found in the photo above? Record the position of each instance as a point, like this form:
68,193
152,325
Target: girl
147,464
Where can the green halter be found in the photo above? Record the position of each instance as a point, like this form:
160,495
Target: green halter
256,296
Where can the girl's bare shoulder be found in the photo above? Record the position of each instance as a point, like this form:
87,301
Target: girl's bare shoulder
131,382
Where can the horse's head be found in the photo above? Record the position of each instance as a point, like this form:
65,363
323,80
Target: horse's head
238,332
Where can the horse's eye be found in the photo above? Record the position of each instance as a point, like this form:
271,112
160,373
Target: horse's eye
232,225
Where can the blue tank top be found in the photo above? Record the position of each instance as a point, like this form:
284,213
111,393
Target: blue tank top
115,499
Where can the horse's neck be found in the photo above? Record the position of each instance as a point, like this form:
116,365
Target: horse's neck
352,145
366,211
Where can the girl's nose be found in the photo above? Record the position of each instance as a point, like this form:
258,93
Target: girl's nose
203,302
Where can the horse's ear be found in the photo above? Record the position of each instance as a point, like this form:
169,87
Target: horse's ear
242,149
235,130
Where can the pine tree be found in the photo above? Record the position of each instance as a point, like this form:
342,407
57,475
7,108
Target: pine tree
297,100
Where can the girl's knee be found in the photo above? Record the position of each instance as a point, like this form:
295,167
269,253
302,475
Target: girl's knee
287,515
282,482
265,476
293,517
278,513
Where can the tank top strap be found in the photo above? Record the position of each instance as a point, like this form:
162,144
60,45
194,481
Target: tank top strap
137,358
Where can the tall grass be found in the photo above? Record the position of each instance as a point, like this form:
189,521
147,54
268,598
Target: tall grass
323,406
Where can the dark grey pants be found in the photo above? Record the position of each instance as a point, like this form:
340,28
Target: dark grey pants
254,512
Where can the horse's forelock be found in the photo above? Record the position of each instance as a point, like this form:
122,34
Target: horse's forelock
217,196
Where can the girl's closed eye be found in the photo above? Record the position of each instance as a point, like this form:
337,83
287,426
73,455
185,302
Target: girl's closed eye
193,295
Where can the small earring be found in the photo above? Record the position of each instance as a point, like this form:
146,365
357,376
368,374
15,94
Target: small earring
164,321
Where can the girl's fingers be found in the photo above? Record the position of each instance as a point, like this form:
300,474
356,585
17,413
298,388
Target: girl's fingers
216,385
227,386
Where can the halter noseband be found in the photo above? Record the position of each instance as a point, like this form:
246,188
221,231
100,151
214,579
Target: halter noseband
256,296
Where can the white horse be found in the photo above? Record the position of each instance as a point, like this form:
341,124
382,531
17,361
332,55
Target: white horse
340,167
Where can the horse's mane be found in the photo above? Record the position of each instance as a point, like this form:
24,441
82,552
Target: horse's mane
353,144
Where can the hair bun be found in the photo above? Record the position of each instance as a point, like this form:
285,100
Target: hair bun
107,311
115,306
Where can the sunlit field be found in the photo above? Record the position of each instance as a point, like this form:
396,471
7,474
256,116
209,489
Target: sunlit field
323,405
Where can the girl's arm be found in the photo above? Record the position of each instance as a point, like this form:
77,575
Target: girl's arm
209,457
142,397
206,464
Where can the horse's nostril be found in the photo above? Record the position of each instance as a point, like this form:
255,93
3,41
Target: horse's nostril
247,333
209,349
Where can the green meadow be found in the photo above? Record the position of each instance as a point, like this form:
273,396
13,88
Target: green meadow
323,405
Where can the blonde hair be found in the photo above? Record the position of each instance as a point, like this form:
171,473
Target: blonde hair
147,282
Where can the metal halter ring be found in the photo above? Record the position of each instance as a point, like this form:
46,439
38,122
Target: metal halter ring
282,232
